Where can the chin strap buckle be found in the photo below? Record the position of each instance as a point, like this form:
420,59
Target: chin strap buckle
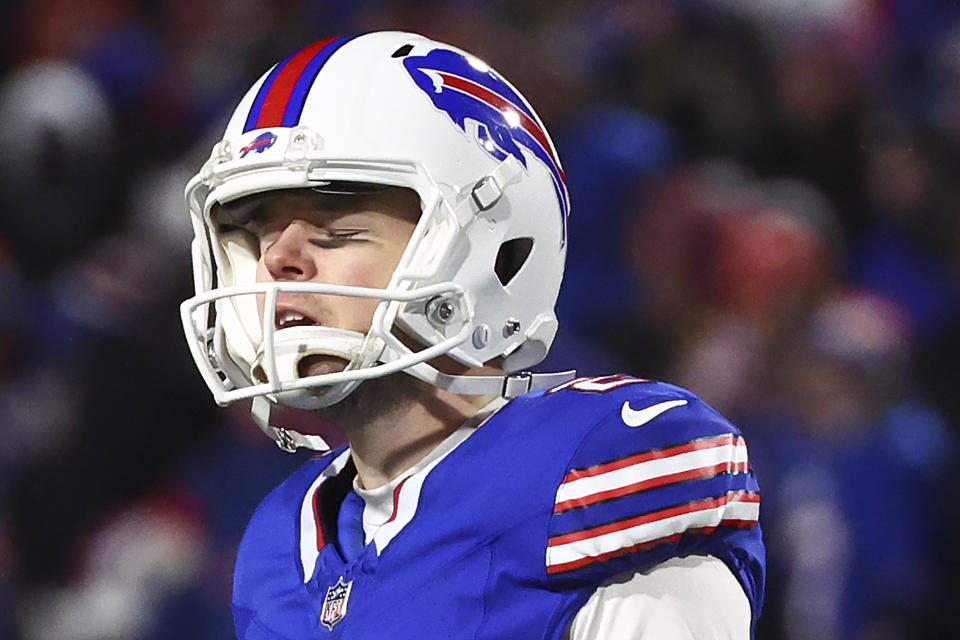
287,439
516,384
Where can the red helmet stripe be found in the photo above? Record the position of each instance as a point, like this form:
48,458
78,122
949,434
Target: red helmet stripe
281,97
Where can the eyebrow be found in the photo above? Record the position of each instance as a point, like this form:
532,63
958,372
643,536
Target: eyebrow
262,217
336,203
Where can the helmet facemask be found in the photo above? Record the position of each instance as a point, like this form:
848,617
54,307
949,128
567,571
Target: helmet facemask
253,357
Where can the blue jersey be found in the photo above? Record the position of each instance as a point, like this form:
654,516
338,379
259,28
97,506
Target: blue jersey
510,534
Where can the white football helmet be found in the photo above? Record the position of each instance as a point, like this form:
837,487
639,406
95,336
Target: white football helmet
393,109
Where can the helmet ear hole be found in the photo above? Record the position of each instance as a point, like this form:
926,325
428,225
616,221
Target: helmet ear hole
511,257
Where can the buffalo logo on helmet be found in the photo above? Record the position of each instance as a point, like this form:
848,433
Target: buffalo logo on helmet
468,90
260,144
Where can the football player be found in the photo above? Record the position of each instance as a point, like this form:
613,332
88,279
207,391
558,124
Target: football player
380,239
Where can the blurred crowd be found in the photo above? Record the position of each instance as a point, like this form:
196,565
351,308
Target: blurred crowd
766,210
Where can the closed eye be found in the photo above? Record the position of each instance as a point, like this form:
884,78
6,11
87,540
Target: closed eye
335,239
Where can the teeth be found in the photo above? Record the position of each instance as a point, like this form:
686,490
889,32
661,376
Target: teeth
289,316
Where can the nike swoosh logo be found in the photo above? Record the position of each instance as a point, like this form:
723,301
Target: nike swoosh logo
638,418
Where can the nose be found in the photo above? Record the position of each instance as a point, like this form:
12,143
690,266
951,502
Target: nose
288,258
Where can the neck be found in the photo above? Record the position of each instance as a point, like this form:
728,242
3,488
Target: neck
393,423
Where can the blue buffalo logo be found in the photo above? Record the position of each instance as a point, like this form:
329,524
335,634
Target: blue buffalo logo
260,144
484,105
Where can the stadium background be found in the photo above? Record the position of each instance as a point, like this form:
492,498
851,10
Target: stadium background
765,209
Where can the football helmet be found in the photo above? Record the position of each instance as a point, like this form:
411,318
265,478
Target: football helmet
353,113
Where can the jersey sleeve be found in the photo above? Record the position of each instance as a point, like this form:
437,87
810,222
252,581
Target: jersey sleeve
660,475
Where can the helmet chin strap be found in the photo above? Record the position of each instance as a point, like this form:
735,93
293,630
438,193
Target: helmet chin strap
287,439
508,387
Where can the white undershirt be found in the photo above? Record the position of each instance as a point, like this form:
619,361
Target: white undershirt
379,502
692,598
379,507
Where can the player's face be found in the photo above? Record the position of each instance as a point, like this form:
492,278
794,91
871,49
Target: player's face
344,239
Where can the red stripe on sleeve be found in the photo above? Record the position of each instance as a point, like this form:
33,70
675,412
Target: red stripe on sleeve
637,487
603,557
663,514
721,440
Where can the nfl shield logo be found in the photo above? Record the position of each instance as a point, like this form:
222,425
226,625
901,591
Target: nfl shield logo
335,603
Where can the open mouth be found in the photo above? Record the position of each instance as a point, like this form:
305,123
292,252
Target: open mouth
315,365
288,318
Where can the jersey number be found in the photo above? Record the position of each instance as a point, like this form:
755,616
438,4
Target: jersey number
600,384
